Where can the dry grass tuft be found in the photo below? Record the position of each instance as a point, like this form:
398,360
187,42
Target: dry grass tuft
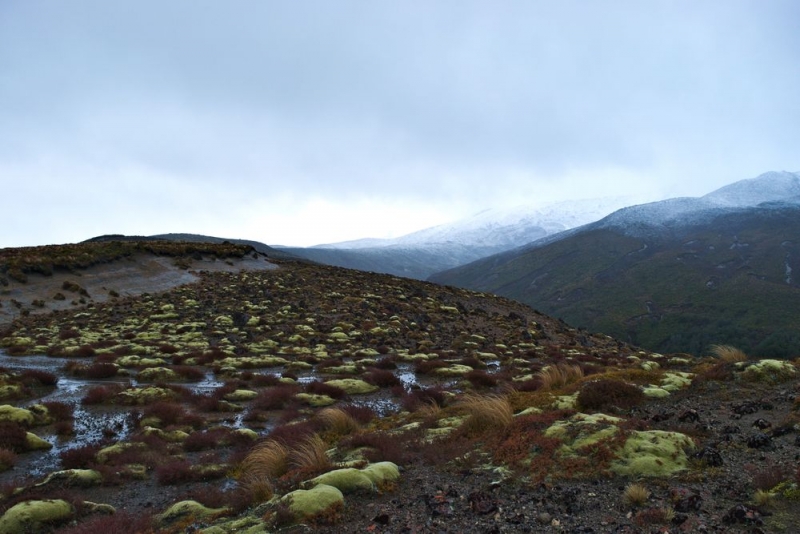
486,413
430,410
728,353
268,459
558,376
338,421
311,455
636,494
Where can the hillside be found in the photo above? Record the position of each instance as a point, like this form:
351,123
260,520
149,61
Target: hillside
675,283
303,397
422,253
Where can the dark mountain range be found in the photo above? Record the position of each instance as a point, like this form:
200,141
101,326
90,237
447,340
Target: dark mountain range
672,276
420,254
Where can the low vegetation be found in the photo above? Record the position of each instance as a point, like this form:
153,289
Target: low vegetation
249,398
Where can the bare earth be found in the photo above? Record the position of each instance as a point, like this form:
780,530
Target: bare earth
141,273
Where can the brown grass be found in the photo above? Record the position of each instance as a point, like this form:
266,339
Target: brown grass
268,459
486,413
558,376
636,494
728,353
338,421
311,455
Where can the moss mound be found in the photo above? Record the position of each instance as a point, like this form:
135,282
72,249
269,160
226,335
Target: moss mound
346,480
321,499
653,453
353,386
31,516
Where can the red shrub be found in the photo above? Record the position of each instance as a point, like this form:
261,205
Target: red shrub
473,362
64,428
362,414
264,380
118,523
174,472
424,367
7,459
84,351
169,413
321,388
206,439
481,379
275,398
189,372
60,411
382,378
421,397
386,363
599,394
79,457
100,370
70,333
100,394
386,447
34,377
294,434
13,437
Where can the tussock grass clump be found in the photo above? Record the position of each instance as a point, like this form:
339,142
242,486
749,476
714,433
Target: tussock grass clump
558,376
486,413
266,460
338,421
728,353
635,494
311,455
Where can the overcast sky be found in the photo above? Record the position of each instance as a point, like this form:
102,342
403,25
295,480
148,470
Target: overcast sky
305,122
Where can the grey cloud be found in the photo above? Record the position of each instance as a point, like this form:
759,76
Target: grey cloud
399,98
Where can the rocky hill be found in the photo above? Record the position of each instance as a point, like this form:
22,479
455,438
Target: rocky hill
302,397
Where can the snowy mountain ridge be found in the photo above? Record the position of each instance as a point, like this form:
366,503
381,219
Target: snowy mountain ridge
769,190
500,229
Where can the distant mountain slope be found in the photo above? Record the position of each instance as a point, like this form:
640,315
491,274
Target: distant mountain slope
427,251
270,252
676,275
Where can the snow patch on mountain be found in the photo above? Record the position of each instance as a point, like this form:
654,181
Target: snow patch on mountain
500,229
771,190
768,187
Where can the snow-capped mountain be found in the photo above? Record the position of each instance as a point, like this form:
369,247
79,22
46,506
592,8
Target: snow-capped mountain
500,229
769,189
672,276
422,253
